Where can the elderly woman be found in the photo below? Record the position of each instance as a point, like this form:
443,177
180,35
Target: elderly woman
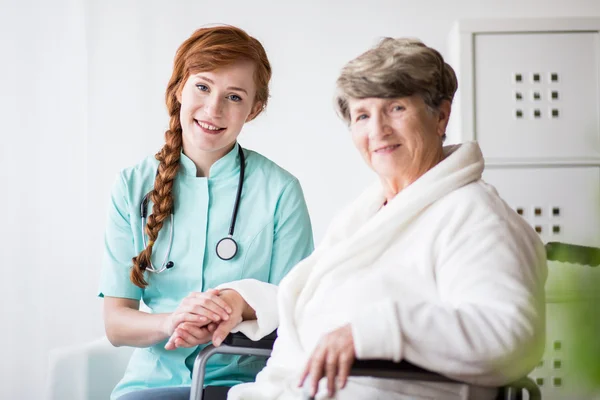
428,265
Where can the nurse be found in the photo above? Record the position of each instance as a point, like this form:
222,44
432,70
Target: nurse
169,259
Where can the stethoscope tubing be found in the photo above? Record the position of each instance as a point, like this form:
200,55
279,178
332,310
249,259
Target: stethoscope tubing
144,214
239,191
152,268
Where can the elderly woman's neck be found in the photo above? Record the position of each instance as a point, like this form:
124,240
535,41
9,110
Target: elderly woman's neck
392,185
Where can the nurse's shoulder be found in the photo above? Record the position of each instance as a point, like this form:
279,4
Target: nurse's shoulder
135,181
263,169
281,194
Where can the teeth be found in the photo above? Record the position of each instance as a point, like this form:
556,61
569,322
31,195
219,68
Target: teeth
386,147
207,126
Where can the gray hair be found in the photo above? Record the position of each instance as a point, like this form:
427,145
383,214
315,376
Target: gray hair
396,68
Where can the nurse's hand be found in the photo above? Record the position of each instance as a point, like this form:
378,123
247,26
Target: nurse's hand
199,309
188,334
333,357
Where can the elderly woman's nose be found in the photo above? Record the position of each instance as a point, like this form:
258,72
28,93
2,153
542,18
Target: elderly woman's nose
380,127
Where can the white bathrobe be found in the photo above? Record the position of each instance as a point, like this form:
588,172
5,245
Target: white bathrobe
446,276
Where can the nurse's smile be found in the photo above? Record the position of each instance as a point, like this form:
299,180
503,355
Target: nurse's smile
208,127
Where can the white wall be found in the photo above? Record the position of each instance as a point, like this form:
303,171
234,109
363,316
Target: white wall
45,285
81,96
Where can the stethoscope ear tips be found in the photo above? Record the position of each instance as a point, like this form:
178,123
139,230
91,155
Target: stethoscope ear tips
170,264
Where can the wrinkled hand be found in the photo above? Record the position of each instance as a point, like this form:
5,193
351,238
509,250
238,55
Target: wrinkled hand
238,306
333,357
197,310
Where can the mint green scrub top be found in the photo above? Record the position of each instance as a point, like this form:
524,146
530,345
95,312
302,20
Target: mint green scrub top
273,232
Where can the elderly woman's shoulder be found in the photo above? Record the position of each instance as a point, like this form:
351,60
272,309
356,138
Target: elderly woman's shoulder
475,211
480,200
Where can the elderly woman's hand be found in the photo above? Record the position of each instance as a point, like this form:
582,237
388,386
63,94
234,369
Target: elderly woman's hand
192,334
239,311
333,357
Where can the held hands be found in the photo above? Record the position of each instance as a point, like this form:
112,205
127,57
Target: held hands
189,335
202,317
238,306
333,357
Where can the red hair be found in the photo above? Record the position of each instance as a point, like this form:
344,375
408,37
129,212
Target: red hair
206,50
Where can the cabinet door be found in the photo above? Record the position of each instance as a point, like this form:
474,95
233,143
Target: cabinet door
562,205
536,95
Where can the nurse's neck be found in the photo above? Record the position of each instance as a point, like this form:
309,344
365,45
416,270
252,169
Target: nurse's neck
203,160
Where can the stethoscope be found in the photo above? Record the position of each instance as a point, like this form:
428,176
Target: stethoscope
226,248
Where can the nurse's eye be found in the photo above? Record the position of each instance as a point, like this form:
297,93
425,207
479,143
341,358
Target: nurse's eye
202,87
234,98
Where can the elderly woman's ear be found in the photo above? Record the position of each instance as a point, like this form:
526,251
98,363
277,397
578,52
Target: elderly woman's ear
443,117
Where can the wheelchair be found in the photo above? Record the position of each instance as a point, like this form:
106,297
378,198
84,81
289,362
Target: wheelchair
239,344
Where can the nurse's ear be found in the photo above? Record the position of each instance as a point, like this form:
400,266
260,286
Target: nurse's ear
256,109
179,89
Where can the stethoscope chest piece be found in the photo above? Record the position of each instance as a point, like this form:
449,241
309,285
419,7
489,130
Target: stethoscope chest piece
226,248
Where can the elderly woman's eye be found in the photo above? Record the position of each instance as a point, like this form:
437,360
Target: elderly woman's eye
361,116
397,108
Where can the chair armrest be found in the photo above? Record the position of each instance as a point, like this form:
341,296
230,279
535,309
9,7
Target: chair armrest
407,371
394,370
240,340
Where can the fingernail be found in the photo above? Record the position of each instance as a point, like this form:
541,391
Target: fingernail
229,310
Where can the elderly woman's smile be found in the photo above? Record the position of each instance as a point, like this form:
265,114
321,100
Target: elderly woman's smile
387,149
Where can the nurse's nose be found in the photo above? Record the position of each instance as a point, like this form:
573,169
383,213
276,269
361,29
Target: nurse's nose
213,106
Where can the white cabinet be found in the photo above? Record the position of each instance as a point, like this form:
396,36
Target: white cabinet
528,89
529,94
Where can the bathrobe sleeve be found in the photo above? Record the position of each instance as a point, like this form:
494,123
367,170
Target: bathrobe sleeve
292,242
485,325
